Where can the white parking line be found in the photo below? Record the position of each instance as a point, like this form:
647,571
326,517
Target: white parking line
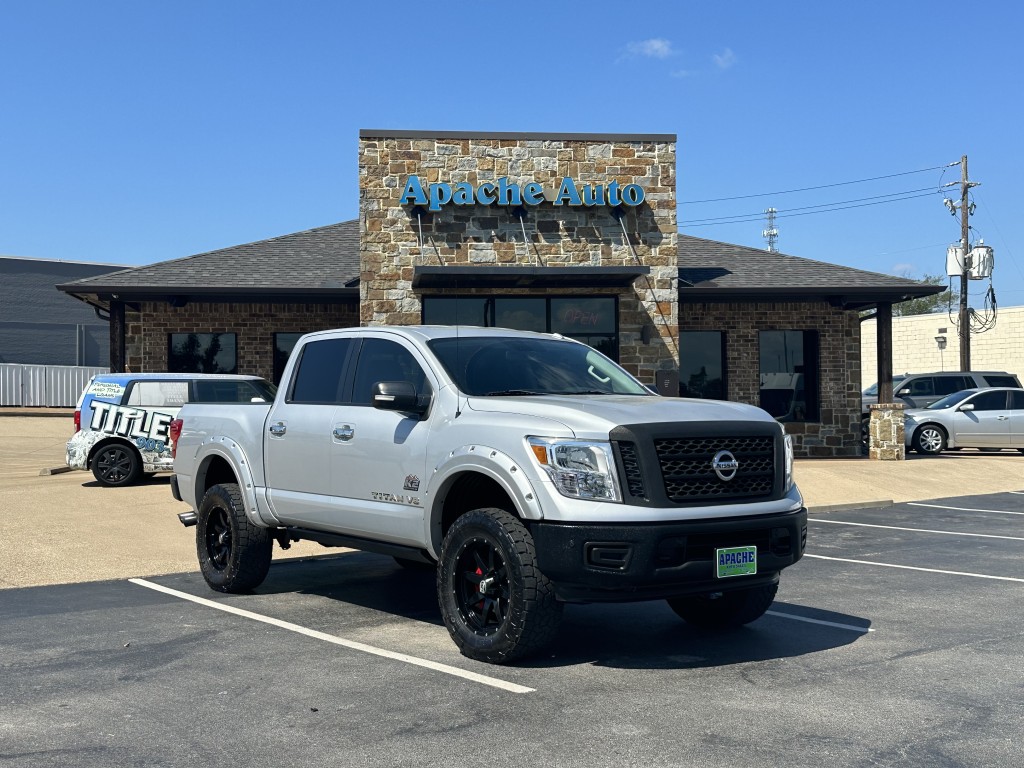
819,621
455,671
962,509
916,568
918,530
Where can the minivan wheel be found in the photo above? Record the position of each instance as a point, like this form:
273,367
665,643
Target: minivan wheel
234,555
930,439
495,602
116,465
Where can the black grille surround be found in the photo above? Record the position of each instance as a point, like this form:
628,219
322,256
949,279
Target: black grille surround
670,464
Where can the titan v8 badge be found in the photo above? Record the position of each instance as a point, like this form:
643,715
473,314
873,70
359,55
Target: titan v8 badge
398,498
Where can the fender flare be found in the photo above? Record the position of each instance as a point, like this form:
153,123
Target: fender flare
484,460
232,453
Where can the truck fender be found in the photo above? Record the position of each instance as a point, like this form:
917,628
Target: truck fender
232,453
484,460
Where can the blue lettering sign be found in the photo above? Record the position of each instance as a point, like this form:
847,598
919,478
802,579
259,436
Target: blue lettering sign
508,193
413,193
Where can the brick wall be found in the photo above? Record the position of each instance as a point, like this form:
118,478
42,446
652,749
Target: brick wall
255,324
492,236
838,431
914,349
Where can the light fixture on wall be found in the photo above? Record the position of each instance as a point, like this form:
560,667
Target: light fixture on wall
940,342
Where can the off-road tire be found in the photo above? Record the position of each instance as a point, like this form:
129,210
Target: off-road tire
234,554
116,465
727,611
930,440
517,614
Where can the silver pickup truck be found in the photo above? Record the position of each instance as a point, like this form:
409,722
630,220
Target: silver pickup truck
528,468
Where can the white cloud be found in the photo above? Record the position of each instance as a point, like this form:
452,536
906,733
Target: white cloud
680,73
904,270
655,48
725,60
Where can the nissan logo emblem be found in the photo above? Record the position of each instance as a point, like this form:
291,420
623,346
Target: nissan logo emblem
725,465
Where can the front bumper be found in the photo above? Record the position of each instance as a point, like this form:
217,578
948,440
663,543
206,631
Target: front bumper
646,561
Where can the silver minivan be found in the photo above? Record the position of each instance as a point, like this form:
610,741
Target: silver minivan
919,390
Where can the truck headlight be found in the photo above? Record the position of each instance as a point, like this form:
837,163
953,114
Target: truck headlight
788,442
579,469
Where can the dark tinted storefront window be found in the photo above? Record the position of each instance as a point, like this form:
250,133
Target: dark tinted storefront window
590,319
201,353
702,364
789,374
284,343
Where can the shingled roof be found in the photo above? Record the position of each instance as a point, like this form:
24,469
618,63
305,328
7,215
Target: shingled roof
719,271
323,265
320,262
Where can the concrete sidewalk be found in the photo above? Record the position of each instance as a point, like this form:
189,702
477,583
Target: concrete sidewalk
65,528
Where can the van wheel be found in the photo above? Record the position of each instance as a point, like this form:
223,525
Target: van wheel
234,554
930,439
116,465
496,603
724,610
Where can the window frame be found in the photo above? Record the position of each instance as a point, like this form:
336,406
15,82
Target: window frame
811,355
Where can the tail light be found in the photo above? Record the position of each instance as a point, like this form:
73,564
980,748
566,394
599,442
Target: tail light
173,433
78,421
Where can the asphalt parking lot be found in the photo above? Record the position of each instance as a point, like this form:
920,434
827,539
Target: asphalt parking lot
897,640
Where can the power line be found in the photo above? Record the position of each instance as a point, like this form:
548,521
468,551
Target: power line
807,213
759,214
823,186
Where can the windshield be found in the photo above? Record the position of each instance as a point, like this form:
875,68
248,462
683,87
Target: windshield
873,389
510,365
950,400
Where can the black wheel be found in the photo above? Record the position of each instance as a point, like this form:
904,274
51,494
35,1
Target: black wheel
724,610
234,554
930,439
414,565
496,603
116,465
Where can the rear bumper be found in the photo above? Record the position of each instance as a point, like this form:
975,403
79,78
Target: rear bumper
646,561
174,488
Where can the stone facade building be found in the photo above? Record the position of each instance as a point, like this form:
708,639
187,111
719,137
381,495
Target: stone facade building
570,234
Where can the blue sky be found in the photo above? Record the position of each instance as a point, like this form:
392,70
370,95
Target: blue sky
134,132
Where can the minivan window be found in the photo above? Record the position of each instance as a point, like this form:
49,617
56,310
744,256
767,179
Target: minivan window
947,385
1001,381
318,379
921,386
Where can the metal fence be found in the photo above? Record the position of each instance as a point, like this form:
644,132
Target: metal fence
47,386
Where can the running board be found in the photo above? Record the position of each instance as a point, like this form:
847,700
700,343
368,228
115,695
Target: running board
355,542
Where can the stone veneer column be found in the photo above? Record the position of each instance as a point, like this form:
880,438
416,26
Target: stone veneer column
491,236
886,433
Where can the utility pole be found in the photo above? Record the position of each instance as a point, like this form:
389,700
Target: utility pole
771,234
965,233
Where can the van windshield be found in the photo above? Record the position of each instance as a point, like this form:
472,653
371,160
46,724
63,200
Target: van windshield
872,391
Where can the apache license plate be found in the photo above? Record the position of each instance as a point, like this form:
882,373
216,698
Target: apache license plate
736,561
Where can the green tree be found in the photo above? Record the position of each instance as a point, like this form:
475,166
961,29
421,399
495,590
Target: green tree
927,305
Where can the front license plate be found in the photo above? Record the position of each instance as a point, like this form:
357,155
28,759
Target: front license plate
736,561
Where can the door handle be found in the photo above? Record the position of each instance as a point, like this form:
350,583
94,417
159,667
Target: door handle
344,432
1002,418
278,429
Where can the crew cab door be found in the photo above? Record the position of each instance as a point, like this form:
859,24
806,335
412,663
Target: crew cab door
298,432
378,457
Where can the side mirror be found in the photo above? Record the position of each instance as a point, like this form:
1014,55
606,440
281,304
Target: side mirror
399,396
904,391
966,407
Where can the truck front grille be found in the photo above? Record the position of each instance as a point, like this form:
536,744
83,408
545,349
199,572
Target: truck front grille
688,474
631,463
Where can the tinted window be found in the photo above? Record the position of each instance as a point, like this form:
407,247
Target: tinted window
157,394
284,343
920,386
702,364
789,374
1017,400
216,391
383,360
525,314
319,376
201,353
462,310
990,401
1001,381
947,385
